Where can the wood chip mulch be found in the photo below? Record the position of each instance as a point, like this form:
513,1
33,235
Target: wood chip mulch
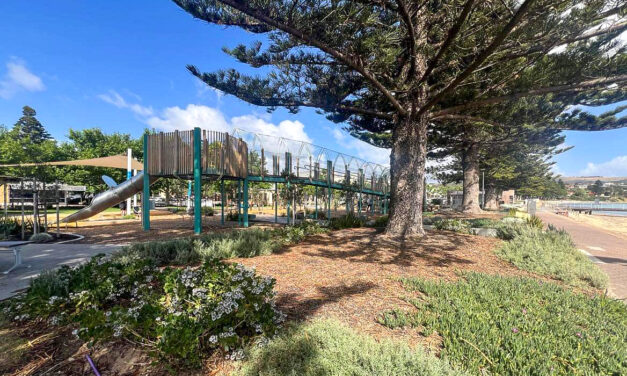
352,275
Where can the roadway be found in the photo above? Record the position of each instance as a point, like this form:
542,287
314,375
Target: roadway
605,249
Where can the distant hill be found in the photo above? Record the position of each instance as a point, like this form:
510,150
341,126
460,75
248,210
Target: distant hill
592,179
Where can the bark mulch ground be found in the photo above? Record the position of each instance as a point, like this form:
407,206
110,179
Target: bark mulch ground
352,274
161,228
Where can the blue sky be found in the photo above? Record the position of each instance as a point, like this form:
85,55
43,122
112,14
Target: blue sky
120,65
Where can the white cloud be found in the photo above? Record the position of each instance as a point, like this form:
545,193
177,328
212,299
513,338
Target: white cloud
19,78
195,115
114,98
614,167
362,149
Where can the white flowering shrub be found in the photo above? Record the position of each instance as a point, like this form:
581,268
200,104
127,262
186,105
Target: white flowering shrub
181,315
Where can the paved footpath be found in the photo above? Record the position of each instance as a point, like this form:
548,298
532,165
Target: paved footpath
39,257
605,249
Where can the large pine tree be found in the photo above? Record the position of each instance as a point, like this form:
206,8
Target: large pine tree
28,127
397,67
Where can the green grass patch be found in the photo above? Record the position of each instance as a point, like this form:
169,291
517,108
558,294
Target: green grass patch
329,348
550,253
513,326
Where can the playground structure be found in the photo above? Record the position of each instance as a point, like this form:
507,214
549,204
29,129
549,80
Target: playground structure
248,157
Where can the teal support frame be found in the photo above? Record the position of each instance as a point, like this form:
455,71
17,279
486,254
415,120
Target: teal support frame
245,201
276,202
288,204
316,204
146,191
197,183
222,198
239,202
329,190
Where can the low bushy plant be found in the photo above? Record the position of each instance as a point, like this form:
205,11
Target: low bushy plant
518,326
244,243
535,222
511,212
452,224
180,315
349,220
381,221
330,348
232,216
42,237
510,230
207,211
552,254
483,223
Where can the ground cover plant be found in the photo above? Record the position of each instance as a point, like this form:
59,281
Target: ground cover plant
550,253
329,348
245,243
349,220
512,326
179,315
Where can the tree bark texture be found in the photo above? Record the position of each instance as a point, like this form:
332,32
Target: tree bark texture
407,165
491,198
470,166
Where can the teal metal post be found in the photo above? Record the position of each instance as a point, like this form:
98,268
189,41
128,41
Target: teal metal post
222,198
239,202
146,192
245,202
276,203
197,183
288,204
329,190
316,204
385,204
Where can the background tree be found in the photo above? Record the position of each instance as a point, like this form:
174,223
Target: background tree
30,128
93,143
596,188
394,67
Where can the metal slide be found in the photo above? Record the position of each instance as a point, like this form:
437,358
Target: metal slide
110,198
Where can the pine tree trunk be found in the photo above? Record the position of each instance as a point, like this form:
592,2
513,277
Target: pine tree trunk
491,198
470,166
407,165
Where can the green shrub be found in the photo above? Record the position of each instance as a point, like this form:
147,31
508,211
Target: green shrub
243,243
381,221
535,222
483,223
552,254
514,326
42,237
511,212
180,315
457,225
207,211
510,230
349,220
329,348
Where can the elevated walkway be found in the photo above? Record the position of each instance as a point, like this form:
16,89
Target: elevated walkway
251,157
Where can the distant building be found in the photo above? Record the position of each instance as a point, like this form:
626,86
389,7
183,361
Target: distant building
454,199
508,197
68,194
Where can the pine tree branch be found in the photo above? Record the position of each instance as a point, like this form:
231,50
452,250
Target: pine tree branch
572,39
591,84
496,42
412,36
467,118
263,17
452,33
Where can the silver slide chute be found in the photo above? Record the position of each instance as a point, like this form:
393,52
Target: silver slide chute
110,197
